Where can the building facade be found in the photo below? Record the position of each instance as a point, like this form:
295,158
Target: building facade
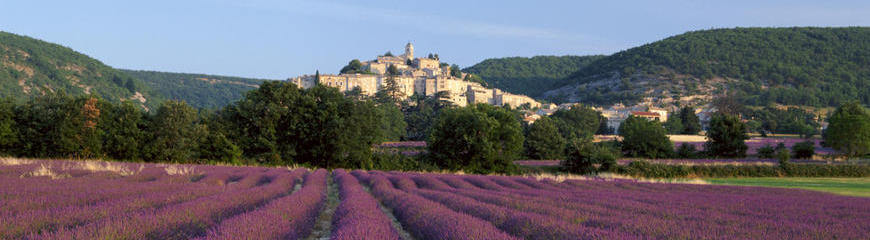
423,76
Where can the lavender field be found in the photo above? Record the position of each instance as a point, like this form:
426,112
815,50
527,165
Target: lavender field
45,199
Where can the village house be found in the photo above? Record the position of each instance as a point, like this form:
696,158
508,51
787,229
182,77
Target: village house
423,76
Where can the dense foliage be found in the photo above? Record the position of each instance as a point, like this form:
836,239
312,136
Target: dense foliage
659,170
791,120
543,140
793,66
528,76
479,138
849,130
198,90
726,137
683,122
578,122
585,157
644,138
31,67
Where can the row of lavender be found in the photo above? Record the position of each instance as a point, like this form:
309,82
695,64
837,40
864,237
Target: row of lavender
431,205
155,202
211,202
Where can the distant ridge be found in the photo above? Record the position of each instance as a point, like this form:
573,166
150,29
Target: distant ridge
198,90
30,67
807,66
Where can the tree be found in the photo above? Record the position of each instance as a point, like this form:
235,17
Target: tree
455,71
123,126
728,104
644,138
390,92
317,76
543,140
583,156
282,124
726,137
690,122
393,124
849,130
478,138
8,128
674,125
173,134
578,122
804,150
354,66
392,70
421,115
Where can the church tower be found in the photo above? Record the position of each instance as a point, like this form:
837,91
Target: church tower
409,51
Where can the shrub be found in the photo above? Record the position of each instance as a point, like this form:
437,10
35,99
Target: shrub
687,151
782,156
766,152
655,170
479,138
645,138
582,157
726,137
804,150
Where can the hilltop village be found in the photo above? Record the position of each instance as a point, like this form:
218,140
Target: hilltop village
423,75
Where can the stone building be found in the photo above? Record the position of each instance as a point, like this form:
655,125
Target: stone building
424,76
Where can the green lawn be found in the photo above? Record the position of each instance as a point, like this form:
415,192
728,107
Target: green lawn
843,186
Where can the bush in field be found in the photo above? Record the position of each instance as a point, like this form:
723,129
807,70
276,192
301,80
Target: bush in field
726,137
766,152
687,151
583,156
543,140
804,150
644,138
782,157
658,170
849,130
479,138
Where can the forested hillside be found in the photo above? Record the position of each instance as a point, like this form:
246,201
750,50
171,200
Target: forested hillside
529,76
30,67
793,66
198,90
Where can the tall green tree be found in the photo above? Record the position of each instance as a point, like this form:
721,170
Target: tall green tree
645,138
393,124
543,140
849,130
690,122
8,128
578,122
478,138
726,137
173,134
123,126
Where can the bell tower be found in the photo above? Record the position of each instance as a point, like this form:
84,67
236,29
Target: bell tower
409,51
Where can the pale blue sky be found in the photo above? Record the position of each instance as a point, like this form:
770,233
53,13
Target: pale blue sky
280,39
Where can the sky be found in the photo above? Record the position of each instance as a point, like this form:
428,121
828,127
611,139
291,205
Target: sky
278,39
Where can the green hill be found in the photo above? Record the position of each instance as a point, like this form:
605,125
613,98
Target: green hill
30,67
198,90
529,76
794,66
